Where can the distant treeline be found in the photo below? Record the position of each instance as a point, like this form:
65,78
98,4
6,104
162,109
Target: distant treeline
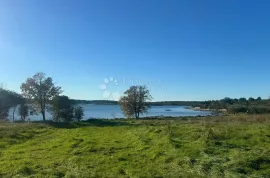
223,103
98,102
233,106
241,105
178,103
160,103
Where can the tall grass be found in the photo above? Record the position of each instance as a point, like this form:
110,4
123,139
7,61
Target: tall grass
224,146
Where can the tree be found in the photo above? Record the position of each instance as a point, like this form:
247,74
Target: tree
39,90
4,105
216,106
226,102
78,113
15,100
242,100
23,111
235,101
135,101
259,99
61,108
8,100
251,99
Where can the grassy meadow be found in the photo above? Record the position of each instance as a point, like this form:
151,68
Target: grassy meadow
225,146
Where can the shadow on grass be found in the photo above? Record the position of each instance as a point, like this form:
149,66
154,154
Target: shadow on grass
90,122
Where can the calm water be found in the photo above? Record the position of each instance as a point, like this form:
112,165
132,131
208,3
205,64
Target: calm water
114,111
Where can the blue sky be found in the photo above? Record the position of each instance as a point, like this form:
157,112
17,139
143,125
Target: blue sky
182,50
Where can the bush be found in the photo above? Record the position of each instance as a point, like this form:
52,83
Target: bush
237,109
259,109
251,109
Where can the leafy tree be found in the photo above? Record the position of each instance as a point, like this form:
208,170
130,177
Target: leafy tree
206,104
15,100
242,100
66,114
78,113
23,111
40,89
4,106
235,101
8,100
228,100
135,101
259,99
216,106
251,100
62,109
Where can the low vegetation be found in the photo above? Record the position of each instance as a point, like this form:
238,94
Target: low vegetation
224,146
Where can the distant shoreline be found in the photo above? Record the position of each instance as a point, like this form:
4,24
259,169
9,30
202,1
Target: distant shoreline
200,109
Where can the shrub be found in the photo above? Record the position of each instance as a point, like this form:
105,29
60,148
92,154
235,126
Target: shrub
259,109
237,109
254,109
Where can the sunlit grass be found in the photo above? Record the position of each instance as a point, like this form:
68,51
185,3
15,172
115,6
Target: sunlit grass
205,147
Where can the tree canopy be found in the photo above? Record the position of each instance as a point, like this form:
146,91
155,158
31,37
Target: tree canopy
23,111
8,99
40,89
78,113
61,108
134,102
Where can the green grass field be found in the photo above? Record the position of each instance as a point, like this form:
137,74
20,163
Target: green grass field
229,146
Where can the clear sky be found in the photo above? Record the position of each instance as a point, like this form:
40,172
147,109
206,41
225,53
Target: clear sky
182,50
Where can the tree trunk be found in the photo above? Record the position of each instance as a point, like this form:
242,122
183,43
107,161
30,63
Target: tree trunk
43,115
13,114
42,107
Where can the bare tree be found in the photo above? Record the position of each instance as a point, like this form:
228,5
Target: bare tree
135,101
39,90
